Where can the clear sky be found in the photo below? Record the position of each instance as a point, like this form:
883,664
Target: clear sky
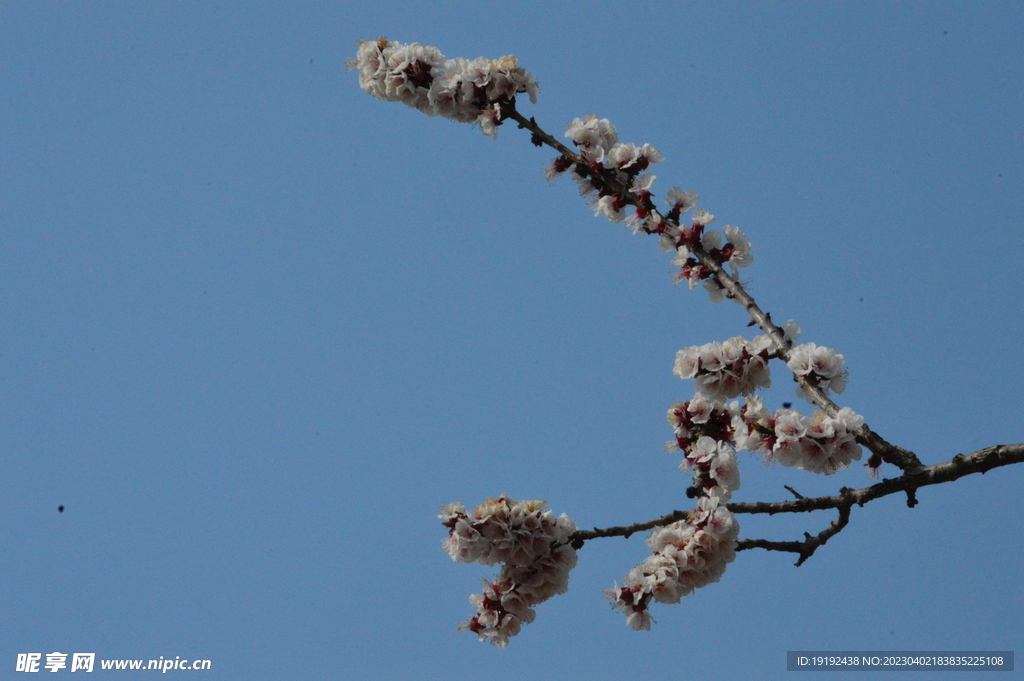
256,327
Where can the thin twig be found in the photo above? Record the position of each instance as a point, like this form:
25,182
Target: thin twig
794,492
805,548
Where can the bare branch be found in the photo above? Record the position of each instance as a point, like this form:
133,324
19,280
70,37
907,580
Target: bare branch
805,548
626,530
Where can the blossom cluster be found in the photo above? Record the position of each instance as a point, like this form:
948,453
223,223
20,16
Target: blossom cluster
689,554
818,443
820,365
612,178
731,368
533,546
703,430
709,433
694,552
723,370
463,90
728,369
686,555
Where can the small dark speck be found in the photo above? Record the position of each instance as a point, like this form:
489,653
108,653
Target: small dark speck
787,405
60,509
945,33
1000,174
310,61
862,300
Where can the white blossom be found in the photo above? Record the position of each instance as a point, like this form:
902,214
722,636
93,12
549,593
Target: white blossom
532,545
642,183
750,423
611,207
817,443
592,136
740,255
728,369
462,90
680,200
819,364
631,158
702,217
686,555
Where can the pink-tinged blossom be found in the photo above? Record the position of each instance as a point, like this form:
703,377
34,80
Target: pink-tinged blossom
702,452
650,223
667,238
686,555
489,120
738,249
817,443
790,425
688,362
680,201
531,544
703,430
698,417
462,90
592,136
830,444
558,165
700,409
702,217
716,292
728,369
632,159
610,206
507,79
642,184
820,365
583,183
750,424
711,240
724,471
410,72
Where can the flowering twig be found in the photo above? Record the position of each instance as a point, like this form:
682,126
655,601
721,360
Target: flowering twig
689,549
897,456
959,466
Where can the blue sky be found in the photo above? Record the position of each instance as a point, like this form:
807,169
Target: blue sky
258,327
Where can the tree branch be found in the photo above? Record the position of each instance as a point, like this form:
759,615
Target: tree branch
805,548
904,459
959,466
